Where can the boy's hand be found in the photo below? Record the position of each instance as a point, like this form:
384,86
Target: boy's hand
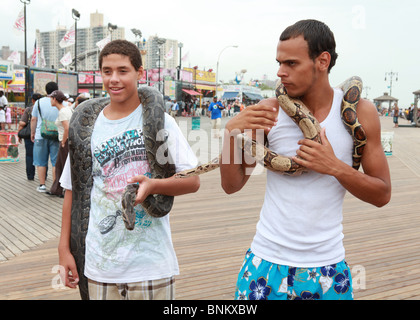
70,278
145,187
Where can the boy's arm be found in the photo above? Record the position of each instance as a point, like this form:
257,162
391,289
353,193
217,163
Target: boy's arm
169,186
262,116
70,277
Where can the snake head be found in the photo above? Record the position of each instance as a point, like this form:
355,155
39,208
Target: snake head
280,89
127,202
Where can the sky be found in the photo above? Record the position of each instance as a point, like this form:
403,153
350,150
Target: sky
374,37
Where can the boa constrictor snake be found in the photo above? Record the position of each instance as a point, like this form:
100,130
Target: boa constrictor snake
310,127
80,132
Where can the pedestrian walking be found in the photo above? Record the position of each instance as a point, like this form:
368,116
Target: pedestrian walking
44,149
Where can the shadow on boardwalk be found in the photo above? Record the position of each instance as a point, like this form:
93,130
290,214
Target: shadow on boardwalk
212,231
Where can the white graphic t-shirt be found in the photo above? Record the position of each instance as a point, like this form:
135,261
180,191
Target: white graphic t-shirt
113,253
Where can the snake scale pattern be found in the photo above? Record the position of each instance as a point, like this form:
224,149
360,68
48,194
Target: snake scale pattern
309,126
80,132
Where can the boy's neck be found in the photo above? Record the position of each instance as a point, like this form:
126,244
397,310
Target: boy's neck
116,111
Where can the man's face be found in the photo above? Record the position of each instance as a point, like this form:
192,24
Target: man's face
297,70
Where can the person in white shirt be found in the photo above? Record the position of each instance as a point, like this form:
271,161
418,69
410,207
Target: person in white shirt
120,263
297,251
62,123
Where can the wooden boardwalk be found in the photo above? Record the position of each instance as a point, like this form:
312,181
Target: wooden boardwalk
211,232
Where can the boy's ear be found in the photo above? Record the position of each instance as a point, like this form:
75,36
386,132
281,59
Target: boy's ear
140,73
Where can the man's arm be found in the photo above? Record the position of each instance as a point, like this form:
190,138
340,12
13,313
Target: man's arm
373,185
235,174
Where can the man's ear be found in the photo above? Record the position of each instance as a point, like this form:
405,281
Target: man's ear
323,61
140,73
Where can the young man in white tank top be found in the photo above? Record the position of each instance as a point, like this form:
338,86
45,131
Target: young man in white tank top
297,252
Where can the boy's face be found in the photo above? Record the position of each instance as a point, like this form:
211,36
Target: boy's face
120,78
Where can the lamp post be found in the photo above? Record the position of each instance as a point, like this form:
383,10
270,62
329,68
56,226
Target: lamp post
160,42
391,76
111,28
76,16
180,45
25,2
217,68
366,90
137,33
195,77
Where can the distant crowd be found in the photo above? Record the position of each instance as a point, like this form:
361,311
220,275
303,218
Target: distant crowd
192,108
44,128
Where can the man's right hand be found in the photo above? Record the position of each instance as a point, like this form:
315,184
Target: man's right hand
262,116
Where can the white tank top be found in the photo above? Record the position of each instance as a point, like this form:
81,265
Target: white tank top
301,219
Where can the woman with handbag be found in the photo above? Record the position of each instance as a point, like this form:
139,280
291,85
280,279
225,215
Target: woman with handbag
62,123
24,132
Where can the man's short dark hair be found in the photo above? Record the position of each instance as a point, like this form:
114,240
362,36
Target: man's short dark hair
50,87
317,34
124,48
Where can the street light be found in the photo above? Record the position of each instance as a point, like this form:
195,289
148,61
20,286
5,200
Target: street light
25,2
217,68
111,28
391,75
137,33
160,42
195,77
180,45
76,16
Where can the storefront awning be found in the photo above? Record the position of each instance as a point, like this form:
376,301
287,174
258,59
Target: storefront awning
253,96
191,92
230,95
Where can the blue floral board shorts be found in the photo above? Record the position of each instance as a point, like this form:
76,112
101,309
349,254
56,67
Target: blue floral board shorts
263,280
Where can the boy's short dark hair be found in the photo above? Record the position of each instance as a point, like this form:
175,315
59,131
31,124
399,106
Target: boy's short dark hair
125,48
318,36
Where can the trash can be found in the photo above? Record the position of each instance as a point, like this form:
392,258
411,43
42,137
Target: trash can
9,142
387,138
195,123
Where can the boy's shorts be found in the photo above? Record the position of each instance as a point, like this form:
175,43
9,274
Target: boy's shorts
44,149
263,280
160,289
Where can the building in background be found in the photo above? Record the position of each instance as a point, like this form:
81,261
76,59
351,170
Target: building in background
87,38
169,53
6,52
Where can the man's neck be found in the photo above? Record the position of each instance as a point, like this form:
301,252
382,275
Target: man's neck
319,100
